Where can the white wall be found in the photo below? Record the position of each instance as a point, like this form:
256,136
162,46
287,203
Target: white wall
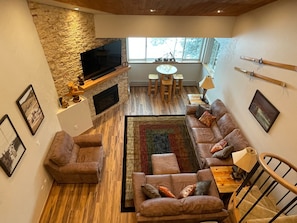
271,33
122,26
22,62
138,75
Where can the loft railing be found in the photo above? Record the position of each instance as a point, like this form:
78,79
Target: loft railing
273,175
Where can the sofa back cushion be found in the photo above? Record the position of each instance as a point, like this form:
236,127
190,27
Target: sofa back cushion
61,148
226,124
218,108
237,140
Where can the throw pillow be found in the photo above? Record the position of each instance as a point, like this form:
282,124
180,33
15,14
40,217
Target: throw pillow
224,153
207,118
187,191
218,146
164,191
202,187
150,191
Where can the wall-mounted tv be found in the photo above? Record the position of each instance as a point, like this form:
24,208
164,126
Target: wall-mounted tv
102,60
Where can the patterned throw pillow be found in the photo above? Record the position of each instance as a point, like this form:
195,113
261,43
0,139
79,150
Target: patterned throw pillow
219,146
207,118
187,191
164,191
202,187
224,153
150,191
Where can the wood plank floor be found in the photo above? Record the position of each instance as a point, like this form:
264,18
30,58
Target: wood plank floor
76,203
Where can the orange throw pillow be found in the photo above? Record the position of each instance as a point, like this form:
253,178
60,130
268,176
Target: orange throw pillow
219,146
164,191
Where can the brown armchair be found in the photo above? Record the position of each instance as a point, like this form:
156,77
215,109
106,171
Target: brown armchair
76,159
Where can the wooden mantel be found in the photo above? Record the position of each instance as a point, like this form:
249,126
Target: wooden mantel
91,83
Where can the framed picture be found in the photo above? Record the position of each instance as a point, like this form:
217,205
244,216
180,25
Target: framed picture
11,146
30,109
264,112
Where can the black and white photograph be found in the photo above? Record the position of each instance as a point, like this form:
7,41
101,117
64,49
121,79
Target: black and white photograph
11,146
30,109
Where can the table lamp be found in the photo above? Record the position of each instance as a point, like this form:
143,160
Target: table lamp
206,84
244,160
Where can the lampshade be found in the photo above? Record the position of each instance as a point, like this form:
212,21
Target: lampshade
206,83
245,159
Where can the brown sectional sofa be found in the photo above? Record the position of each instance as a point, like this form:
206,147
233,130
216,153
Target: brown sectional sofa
204,138
189,209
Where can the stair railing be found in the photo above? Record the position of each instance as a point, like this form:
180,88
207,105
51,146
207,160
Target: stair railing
274,174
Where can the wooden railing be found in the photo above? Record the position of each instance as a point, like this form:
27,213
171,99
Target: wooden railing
274,176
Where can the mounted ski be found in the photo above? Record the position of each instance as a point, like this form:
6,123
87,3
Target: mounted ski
271,63
253,74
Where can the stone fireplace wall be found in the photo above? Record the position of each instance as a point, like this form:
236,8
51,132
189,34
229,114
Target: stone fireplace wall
121,80
64,34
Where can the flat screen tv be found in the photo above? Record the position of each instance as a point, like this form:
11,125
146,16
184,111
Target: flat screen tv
102,60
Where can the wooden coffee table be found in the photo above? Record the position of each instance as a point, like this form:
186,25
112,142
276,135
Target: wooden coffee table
223,179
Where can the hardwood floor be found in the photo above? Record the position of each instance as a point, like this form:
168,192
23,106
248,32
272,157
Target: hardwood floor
76,203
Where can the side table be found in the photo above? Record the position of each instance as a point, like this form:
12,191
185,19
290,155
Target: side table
223,178
225,183
195,99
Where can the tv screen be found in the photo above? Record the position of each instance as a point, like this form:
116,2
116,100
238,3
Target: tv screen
102,60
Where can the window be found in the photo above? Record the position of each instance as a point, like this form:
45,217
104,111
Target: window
150,49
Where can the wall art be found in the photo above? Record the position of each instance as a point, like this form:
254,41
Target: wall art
11,146
264,112
30,109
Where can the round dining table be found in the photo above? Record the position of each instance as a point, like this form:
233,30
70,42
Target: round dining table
166,69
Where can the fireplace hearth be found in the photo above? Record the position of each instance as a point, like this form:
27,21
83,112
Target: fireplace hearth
106,99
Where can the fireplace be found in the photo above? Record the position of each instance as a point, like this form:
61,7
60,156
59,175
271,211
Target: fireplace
106,99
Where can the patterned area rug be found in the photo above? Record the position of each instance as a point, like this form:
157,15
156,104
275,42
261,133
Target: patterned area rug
147,135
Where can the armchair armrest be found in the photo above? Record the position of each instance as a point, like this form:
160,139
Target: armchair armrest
88,140
138,178
80,168
191,109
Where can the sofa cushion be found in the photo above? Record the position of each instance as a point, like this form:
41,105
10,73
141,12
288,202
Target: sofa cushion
237,140
204,149
61,148
224,153
202,187
226,124
160,207
180,181
156,180
218,162
193,122
207,118
201,204
150,191
205,135
218,108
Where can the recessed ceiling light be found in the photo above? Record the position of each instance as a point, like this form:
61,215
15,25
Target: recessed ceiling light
153,10
76,9
219,11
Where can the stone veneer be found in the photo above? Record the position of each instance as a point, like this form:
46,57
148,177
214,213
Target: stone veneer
64,34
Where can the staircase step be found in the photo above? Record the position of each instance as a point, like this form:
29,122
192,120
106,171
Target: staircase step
266,202
284,219
257,212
